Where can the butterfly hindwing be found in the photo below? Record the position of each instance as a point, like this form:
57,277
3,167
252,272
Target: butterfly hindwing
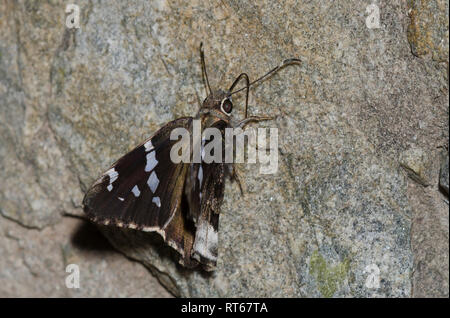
205,248
205,191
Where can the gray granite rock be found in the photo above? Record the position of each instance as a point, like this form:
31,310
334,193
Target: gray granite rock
443,175
334,221
428,29
34,264
417,164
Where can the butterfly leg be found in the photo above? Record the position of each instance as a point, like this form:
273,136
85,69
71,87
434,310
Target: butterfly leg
250,119
266,149
235,175
235,172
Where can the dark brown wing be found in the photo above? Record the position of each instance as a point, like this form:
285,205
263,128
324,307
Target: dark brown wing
205,249
205,185
143,190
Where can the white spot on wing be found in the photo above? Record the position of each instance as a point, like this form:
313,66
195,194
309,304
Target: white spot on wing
206,241
203,148
148,146
200,175
151,161
136,191
113,175
157,201
121,199
153,182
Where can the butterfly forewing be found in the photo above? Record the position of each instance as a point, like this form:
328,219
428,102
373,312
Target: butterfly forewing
143,189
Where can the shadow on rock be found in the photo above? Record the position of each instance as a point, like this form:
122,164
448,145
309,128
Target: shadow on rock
87,237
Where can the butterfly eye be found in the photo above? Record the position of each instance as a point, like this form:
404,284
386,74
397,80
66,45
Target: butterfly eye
226,106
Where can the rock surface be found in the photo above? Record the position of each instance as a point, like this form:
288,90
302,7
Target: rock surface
444,175
34,264
342,216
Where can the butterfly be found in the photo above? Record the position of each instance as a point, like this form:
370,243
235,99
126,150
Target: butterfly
145,190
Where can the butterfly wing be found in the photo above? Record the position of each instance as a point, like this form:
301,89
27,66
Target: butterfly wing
143,190
205,191
205,248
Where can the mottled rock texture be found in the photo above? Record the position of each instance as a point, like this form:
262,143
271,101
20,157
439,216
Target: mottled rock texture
444,175
34,262
354,209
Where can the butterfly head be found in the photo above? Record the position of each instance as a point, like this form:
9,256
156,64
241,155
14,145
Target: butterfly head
220,101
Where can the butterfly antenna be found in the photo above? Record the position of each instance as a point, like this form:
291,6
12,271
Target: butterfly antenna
271,72
204,74
247,86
